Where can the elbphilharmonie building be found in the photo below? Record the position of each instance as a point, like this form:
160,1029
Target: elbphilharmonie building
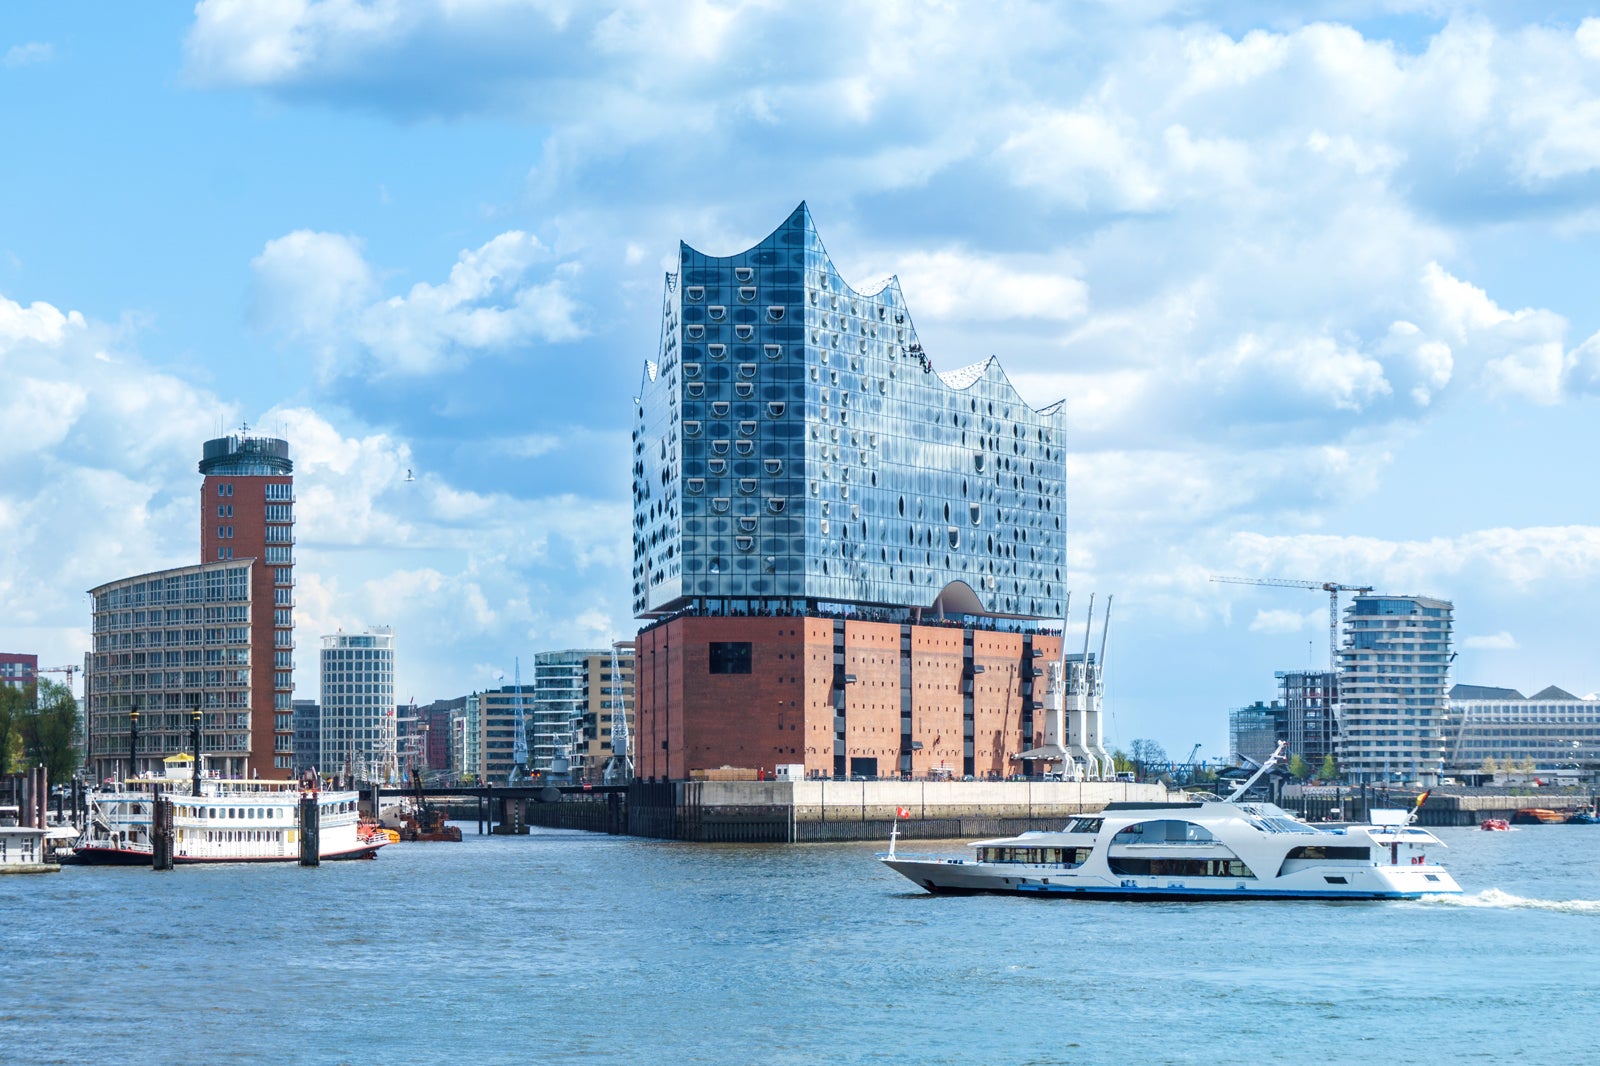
846,557
794,446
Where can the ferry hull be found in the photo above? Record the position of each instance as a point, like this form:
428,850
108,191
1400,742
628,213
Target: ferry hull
98,856
960,877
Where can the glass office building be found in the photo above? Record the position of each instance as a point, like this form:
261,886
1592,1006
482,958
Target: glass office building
794,450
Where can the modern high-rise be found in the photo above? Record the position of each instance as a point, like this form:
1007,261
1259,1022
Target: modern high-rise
570,715
358,708
219,635
1393,676
555,715
833,541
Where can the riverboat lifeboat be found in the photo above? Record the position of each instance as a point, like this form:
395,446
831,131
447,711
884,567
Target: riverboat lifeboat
218,820
1495,825
1199,849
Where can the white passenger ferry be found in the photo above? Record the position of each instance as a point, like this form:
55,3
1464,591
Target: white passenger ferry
1202,849
230,820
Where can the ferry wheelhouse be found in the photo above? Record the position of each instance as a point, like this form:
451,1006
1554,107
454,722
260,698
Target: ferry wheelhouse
1196,849
218,820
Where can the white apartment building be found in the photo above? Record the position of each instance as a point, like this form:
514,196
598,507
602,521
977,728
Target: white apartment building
358,708
1393,675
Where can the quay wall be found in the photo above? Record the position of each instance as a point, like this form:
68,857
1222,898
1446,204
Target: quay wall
817,811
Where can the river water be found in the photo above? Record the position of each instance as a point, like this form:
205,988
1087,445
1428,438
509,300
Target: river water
570,947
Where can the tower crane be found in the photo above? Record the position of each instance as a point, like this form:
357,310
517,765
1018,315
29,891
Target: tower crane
1332,588
70,671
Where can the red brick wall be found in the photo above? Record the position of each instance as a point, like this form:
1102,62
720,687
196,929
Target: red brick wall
782,711
248,523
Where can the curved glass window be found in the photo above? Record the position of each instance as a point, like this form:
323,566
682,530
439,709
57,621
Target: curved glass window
743,273
744,333
775,313
716,312
695,292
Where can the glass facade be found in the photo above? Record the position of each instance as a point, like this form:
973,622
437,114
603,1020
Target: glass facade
794,447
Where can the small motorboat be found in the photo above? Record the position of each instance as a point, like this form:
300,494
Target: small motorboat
1495,825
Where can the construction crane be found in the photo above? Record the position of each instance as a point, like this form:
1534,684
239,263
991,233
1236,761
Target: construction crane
70,671
1332,588
519,739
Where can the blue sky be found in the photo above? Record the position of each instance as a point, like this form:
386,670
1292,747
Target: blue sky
1317,289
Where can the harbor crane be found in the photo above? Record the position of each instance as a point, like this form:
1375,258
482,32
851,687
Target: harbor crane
621,753
1332,588
519,738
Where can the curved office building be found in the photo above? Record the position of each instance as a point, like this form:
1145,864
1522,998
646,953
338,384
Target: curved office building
795,450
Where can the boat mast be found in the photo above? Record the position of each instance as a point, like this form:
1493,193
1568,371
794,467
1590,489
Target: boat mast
1272,760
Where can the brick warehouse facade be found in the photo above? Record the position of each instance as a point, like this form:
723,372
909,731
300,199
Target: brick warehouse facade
924,699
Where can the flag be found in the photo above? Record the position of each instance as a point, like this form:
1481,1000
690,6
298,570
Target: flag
1423,798
901,812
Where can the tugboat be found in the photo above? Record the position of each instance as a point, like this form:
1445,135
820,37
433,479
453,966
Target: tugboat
1585,815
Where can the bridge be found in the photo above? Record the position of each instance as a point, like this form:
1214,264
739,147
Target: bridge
502,808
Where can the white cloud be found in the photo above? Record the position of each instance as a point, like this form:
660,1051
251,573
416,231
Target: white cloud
1501,641
25,55
318,289
1522,559
1283,621
955,284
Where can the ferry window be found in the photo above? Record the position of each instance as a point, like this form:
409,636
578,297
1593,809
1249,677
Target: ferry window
730,657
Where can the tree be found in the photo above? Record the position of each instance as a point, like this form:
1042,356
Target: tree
1329,770
48,731
1490,766
1120,760
13,706
1299,769
1148,753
